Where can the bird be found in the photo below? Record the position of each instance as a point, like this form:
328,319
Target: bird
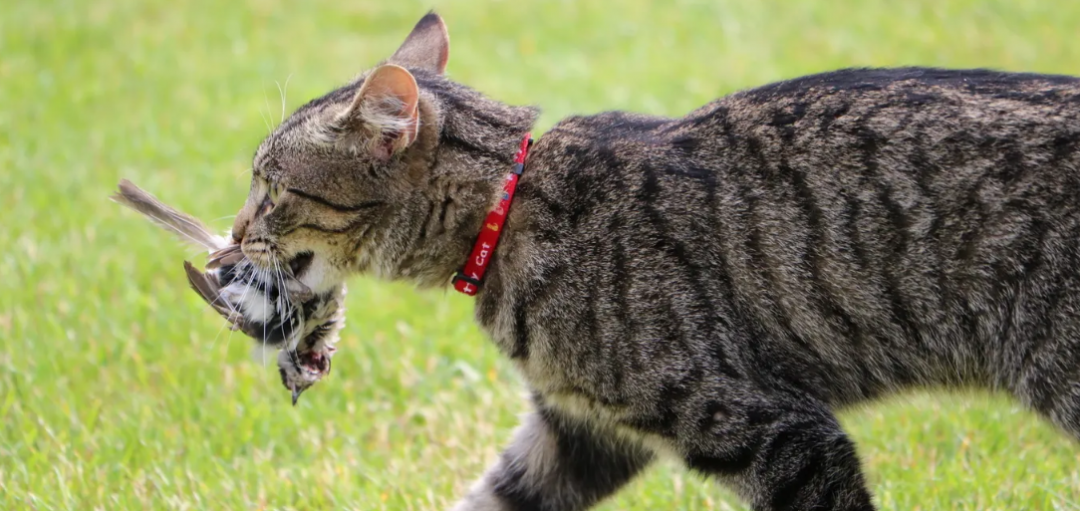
270,306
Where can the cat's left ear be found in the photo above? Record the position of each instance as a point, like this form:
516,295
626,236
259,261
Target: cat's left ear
427,47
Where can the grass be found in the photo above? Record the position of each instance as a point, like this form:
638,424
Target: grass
120,390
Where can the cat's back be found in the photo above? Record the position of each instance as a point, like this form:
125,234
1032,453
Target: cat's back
841,106
838,130
824,114
860,80
833,218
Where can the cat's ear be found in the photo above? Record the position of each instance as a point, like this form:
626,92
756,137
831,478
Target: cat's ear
427,47
387,107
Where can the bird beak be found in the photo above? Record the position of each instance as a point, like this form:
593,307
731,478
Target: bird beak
296,394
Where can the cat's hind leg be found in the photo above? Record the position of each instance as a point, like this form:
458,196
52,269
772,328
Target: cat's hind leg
1050,383
556,464
778,453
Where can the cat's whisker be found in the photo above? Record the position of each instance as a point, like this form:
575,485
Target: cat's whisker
269,115
244,270
238,308
218,219
266,122
298,310
228,339
262,352
279,306
261,273
233,309
298,332
284,93
225,324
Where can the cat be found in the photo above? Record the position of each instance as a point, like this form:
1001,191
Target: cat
714,287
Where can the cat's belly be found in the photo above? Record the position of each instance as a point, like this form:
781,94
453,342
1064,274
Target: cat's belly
615,419
577,400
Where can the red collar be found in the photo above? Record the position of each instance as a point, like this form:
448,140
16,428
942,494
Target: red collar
468,280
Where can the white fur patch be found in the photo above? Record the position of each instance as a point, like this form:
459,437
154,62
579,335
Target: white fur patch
481,498
250,302
320,276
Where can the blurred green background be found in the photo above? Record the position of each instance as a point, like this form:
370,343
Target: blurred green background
119,389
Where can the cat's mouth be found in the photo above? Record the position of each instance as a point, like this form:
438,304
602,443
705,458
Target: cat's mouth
267,256
313,271
300,263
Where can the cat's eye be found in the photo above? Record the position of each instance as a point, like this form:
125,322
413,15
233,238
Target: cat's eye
275,191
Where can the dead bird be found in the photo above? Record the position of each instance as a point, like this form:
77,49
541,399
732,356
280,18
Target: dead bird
270,305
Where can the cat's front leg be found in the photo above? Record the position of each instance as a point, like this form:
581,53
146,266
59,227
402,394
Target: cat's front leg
556,464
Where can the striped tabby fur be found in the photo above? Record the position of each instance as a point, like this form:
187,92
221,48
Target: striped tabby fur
711,287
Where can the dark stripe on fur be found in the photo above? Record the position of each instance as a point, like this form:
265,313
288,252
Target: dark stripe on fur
341,208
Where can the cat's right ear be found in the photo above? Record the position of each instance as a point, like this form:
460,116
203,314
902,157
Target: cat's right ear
427,47
386,110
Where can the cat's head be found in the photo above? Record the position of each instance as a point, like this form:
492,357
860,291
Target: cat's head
389,174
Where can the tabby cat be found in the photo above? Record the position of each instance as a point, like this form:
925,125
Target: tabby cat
713,287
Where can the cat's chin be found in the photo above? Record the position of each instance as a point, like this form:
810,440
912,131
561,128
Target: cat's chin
321,276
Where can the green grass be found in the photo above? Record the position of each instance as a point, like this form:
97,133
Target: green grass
120,390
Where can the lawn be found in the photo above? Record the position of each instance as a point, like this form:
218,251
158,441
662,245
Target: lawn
119,389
